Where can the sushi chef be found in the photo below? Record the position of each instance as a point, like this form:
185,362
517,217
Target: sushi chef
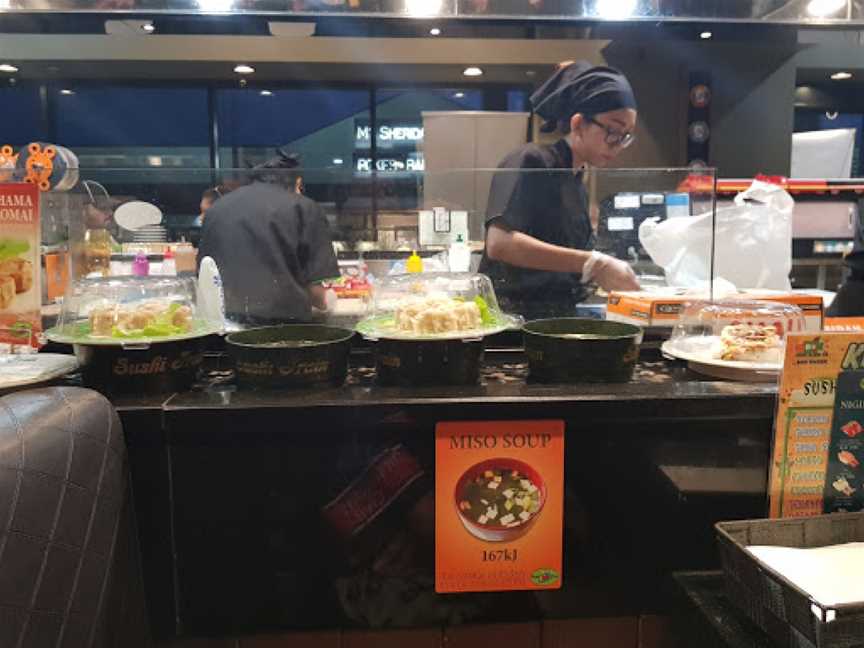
272,246
539,239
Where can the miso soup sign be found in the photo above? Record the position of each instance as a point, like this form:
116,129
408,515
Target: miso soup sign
499,505
20,290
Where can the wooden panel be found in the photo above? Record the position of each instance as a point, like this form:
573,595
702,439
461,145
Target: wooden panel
515,635
657,632
198,643
393,639
293,640
616,632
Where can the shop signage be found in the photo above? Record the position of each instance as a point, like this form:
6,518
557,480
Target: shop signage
818,441
499,505
390,134
20,268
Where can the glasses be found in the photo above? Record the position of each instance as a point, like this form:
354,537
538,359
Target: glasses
614,137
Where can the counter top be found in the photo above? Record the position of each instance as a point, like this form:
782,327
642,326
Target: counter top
659,389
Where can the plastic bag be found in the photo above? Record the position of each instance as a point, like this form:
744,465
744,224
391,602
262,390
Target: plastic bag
752,249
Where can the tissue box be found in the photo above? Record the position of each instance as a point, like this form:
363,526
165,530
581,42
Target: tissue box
660,309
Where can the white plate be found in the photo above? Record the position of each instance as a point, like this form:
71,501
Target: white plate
705,363
35,368
137,214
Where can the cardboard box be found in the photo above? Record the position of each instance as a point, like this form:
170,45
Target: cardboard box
660,309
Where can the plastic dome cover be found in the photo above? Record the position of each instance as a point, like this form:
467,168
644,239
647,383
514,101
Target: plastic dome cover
430,306
130,310
735,331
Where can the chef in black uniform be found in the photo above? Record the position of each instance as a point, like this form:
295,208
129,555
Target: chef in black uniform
539,241
272,247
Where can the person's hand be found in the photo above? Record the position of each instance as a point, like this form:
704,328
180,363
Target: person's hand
609,273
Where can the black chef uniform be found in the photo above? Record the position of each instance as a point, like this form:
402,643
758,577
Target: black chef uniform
552,206
269,244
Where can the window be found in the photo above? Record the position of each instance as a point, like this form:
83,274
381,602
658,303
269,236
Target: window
22,116
129,127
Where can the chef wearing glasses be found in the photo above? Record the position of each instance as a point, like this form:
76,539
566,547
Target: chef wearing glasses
539,240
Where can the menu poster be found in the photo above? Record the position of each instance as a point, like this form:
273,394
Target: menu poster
20,289
499,505
818,441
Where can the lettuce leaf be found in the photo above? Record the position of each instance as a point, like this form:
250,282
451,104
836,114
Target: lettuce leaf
11,248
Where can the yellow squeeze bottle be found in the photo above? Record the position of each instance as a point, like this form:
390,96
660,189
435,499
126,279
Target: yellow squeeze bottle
414,264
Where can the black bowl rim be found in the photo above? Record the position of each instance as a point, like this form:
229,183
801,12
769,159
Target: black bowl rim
636,330
348,334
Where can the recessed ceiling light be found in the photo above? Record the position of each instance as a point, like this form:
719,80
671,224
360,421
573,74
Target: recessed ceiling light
435,31
530,73
706,35
338,161
421,8
822,8
244,69
148,27
266,93
615,9
5,67
216,6
472,71
67,92
458,95
841,76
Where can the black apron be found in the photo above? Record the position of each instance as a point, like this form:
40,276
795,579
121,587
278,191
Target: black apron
269,244
551,206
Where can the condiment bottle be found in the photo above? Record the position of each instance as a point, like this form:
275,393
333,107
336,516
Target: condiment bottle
141,266
169,265
459,256
414,263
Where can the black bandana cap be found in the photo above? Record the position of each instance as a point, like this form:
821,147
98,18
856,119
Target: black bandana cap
581,88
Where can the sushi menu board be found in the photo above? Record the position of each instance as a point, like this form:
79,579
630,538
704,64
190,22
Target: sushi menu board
499,505
20,288
819,428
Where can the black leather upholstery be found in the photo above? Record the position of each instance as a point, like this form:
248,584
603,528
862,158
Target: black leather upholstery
62,508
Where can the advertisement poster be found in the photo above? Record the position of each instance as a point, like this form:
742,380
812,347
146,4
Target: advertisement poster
499,505
20,290
818,440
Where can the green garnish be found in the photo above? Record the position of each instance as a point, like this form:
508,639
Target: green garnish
11,248
485,314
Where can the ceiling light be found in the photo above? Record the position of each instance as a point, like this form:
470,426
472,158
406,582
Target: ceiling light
216,6
615,9
5,67
459,95
266,93
423,7
472,71
530,73
841,76
435,31
821,8
148,27
706,35
244,69
67,92
338,161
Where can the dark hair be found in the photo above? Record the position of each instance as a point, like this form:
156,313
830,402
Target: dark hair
283,169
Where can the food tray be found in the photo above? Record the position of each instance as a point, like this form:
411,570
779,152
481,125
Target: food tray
782,610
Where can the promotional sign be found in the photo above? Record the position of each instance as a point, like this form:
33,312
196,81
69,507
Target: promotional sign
499,505
20,288
818,441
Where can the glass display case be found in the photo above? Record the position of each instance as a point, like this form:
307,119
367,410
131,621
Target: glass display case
374,230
